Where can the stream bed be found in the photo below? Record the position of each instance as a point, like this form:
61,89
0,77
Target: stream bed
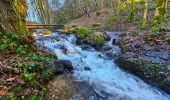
98,71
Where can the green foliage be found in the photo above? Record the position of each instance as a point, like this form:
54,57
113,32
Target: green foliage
33,70
9,40
123,6
112,19
17,89
167,38
152,6
13,42
125,47
139,7
157,26
10,97
151,36
48,73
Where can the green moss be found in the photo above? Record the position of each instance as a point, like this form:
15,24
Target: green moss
124,62
152,67
80,31
96,39
99,40
125,47
167,38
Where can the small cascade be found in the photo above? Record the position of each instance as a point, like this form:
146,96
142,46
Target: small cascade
93,67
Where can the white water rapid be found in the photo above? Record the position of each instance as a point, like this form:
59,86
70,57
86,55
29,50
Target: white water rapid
107,79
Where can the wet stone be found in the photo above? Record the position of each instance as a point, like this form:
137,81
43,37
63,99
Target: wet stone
64,88
87,68
64,65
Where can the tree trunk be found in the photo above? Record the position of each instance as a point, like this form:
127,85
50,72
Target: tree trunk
13,16
145,13
160,13
117,6
132,10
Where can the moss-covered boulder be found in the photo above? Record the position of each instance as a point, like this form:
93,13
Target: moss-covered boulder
155,74
97,39
80,31
46,32
86,36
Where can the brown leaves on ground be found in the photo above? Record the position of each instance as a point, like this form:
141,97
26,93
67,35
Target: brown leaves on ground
3,90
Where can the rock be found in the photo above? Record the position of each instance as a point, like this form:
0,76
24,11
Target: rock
63,65
100,56
78,42
106,36
153,73
86,47
109,54
164,55
106,48
114,41
63,87
87,68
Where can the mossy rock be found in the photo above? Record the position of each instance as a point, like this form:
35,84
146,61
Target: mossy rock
96,39
46,32
153,73
167,38
80,31
130,65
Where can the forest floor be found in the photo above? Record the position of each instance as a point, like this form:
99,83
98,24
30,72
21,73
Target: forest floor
24,76
139,44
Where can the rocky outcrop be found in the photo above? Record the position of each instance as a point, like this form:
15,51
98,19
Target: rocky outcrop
146,57
153,73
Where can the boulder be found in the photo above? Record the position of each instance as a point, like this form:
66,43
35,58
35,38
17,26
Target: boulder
155,74
87,69
63,65
106,36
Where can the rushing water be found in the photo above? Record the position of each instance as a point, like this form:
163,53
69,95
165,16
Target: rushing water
107,79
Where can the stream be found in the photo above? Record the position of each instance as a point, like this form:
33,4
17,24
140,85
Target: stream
99,71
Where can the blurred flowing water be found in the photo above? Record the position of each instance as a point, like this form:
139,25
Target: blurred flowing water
107,79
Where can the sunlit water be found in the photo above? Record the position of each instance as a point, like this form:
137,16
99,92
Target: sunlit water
107,79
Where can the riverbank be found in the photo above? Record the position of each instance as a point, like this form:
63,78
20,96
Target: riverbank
147,55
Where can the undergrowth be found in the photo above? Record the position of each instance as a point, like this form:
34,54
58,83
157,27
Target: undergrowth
28,68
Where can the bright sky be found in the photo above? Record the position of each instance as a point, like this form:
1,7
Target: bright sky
32,15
